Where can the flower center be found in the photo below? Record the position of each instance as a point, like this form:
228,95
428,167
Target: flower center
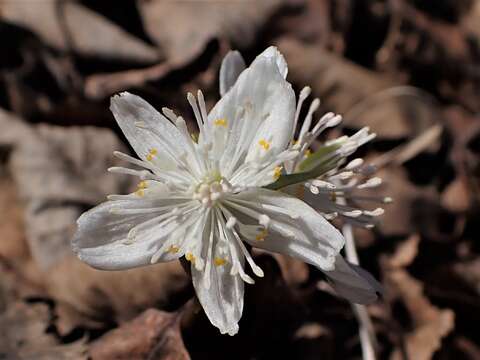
211,189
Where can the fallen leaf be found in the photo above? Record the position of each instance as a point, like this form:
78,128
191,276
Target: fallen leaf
153,335
429,324
471,22
182,28
98,86
469,272
62,25
61,172
294,272
12,234
456,197
409,210
405,253
361,96
23,335
92,298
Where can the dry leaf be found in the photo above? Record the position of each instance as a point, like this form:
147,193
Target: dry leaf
409,211
23,335
456,197
471,22
153,335
68,25
61,172
429,323
88,296
363,97
12,235
405,253
183,28
294,272
469,272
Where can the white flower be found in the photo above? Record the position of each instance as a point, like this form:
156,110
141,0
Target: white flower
202,200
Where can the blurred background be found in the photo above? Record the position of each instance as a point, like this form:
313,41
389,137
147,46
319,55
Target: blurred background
408,69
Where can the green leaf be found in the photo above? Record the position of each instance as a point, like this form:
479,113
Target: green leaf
300,177
317,157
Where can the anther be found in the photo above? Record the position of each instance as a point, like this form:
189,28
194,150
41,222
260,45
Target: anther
173,249
262,235
152,152
220,122
277,172
189,257
264,144
219,261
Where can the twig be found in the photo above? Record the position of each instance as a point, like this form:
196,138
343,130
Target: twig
368,339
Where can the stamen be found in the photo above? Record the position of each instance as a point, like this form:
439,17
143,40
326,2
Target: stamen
304,93
370,183
264,144
323,184
151,153
334,121
220,122
140,192
353,213
264,220
219,261
262,235
354,164
189,257
277,172
173,249
376,212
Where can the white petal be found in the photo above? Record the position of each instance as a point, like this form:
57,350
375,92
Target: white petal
260,106
102,239
129,111
353,283
273,53
303,234
219,293
232,65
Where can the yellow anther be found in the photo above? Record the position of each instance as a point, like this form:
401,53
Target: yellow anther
262,235
194,137
190,257
152,152
173,249
294,142
220,122
277,172
264,143
219,261
140,192
308,153
142,185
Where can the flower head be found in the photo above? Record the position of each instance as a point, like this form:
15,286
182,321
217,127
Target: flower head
203,200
